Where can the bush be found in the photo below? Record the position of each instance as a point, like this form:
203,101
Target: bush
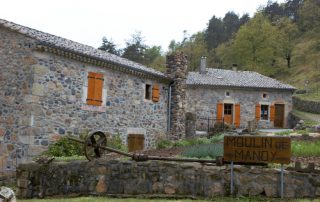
115,142
163,144
287,132
65,147
182,143
204,151
302,132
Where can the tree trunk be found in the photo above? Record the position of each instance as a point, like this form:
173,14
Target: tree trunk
288,61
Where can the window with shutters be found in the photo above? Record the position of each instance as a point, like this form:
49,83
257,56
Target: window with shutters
95,89
264,112
152,92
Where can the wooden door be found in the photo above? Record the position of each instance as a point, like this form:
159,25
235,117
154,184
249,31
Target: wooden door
228,114
279,116
135,142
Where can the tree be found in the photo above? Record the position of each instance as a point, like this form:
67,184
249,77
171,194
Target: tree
214,34
291,9
288,34
135,48
109,46
273,11
222,30
255,46
310,15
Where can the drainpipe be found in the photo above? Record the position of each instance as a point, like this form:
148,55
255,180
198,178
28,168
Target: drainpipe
169,106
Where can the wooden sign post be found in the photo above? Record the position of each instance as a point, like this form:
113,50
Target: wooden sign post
257,149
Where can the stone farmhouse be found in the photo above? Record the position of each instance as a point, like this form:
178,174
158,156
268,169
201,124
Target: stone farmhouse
51,87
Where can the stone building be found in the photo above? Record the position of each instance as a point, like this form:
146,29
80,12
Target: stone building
51,87
237,97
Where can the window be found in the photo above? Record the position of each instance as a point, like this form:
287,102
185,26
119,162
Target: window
147,94
152,93
227,109
264,95
227,94
264,112
95,88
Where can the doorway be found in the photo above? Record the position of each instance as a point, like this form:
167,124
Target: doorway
279,116
228,113
135,142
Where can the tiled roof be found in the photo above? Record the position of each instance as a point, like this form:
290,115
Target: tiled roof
229,78
65,44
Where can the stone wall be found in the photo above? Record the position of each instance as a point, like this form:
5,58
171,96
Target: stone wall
158,178
16,80
203,101
177,71
306,105
43,97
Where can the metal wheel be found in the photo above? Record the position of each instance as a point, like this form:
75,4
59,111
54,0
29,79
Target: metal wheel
92,146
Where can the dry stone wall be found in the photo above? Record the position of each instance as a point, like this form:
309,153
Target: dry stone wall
159,178
306,105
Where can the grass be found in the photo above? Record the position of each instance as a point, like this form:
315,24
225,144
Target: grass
219,199
103,199
309,118
310,96
305,148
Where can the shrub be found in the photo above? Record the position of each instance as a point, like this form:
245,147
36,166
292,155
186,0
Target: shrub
217,138
204,151
115,142
64,147
287,132
163,144
302,132
182,143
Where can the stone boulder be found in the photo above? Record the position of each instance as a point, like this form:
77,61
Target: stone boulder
7,195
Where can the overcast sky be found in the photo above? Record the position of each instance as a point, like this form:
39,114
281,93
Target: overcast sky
87,21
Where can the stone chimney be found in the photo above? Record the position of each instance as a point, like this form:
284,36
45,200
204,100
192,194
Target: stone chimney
203,65
177,71
234,67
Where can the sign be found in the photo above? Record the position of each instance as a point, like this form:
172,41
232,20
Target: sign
257,149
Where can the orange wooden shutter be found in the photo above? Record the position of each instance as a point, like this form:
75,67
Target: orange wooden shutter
258,112
272,113
91,88
98,89
95,88
219,111
155,93
237,115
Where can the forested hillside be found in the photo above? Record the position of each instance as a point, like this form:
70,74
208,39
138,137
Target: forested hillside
280,41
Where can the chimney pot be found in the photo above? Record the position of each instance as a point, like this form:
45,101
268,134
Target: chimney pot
203,65
234,67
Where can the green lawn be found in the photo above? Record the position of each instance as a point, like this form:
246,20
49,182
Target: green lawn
222,199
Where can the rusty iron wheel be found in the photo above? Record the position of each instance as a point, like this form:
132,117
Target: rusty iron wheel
93,143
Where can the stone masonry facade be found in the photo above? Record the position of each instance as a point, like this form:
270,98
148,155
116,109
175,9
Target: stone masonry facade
159,178
177,71
202,101
43,97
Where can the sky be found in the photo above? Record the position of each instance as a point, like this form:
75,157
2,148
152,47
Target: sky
87,21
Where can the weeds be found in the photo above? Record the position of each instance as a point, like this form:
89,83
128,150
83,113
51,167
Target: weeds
305,148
